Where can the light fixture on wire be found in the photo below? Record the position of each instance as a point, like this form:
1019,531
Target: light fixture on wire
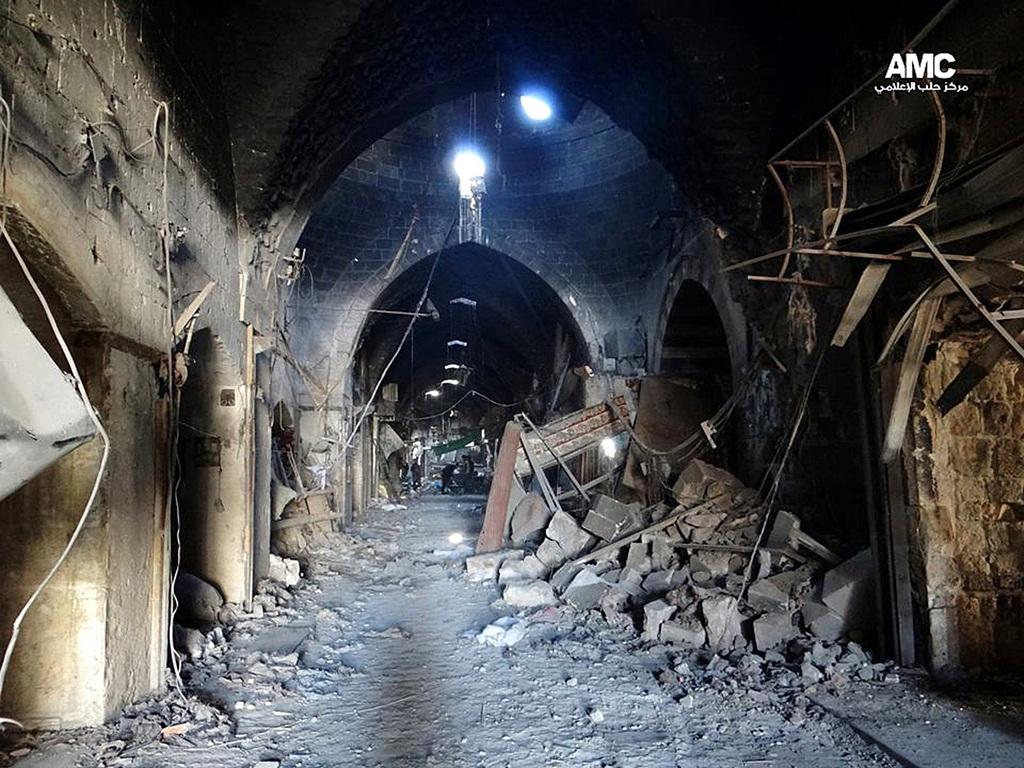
470,167
536,107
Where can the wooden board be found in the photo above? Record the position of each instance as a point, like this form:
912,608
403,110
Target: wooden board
572,434
910,369
492,534
870,282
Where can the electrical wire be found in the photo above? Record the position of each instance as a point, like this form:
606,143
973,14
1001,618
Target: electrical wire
80,386
408,329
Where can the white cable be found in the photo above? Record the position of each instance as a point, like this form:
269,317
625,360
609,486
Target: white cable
401,343
80,386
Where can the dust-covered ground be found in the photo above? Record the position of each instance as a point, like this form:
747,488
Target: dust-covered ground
374,661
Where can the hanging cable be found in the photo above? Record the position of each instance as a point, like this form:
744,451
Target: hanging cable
408,329
80,386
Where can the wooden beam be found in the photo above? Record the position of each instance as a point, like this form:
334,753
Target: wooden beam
192,308
868,285
910,369
968,293
540,477
492,534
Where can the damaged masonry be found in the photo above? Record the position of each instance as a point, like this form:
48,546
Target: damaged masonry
491,383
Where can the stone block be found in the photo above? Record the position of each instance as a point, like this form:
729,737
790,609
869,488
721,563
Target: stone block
529,594
683,630
586,590
609,519
662,581
551,554
656,613
638,558
561,578
526,569
529,519
722,621
847,588
485,567
566,532
774,629
198,601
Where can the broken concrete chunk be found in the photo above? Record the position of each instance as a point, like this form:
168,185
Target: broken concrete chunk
821,621
656,613
284,570
485,567
638,559
609,519
774,629
700,481
566,532
722,621
529,519
663,581
551,554
529,594
561,578
847,589
586,590
683,630
198,600
717,564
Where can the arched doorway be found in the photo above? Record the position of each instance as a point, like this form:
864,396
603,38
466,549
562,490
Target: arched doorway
695,345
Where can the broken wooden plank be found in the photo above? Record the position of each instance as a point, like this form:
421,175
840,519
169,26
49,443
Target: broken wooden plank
572,434
192,308
557,456
965,290
973,276
868,285
492,533
910,369
539,477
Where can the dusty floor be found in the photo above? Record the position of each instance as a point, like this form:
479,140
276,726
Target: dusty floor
375,663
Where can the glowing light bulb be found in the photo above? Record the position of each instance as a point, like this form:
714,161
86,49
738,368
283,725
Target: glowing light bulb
608,448
455,538
469,164
535,107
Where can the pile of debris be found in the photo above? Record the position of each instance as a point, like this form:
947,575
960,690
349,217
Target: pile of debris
693,576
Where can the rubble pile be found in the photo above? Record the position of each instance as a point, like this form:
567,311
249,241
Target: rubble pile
677,576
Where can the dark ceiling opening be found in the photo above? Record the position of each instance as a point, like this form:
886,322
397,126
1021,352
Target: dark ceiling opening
512,336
